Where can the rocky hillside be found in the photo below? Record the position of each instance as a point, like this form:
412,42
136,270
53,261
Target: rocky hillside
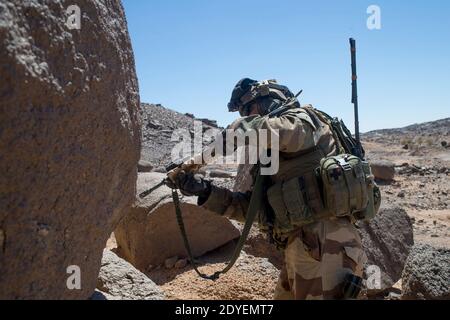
158,125
416,137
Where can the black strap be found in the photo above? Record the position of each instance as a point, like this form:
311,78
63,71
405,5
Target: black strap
253,208
147,192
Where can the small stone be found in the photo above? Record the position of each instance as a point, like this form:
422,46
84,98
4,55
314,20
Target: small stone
434,236
220,174
180,264
394,296
160,170
444,143
401,194
144,166
170,263
383,170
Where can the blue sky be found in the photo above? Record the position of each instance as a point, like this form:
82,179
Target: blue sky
190,54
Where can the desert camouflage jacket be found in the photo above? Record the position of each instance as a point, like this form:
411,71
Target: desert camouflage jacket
298,131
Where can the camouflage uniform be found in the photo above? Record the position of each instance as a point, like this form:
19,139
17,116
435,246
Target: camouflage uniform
319,255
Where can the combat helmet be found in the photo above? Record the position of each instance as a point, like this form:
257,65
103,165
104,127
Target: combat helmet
267,94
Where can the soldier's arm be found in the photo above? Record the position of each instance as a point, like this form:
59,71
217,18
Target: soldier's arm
224,202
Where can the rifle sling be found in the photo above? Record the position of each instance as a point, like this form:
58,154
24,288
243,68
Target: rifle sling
253,208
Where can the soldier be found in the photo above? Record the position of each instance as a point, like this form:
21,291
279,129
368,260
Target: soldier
321,249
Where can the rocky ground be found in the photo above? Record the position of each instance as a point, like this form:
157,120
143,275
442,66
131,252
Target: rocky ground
420,160
421,156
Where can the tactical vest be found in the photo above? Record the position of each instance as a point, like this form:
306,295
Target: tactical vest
323,182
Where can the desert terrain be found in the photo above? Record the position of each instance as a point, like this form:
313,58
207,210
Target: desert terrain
419,156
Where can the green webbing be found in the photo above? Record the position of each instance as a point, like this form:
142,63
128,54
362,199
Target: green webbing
253,208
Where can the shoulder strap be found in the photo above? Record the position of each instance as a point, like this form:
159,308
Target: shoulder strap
344,139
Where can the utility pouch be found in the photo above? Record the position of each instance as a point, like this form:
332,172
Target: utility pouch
289,201
276,201
373,193
346,183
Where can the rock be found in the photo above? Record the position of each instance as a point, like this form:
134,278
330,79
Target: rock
401,194
149,234
220,174
387,240
163,130
144,166
243,180
209,122
181,264
99,295
427,273
119,280
69,142
444,144
160,170
170,262
155,124
383,170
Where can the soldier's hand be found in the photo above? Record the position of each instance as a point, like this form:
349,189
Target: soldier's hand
190,184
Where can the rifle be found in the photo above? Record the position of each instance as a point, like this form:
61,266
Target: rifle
188,164
283,107
358,148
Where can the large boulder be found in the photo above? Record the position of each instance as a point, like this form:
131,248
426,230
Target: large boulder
149,234
427,273
387,240
383,170
69,143
119,280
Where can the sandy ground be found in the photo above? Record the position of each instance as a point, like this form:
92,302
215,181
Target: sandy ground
251,278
